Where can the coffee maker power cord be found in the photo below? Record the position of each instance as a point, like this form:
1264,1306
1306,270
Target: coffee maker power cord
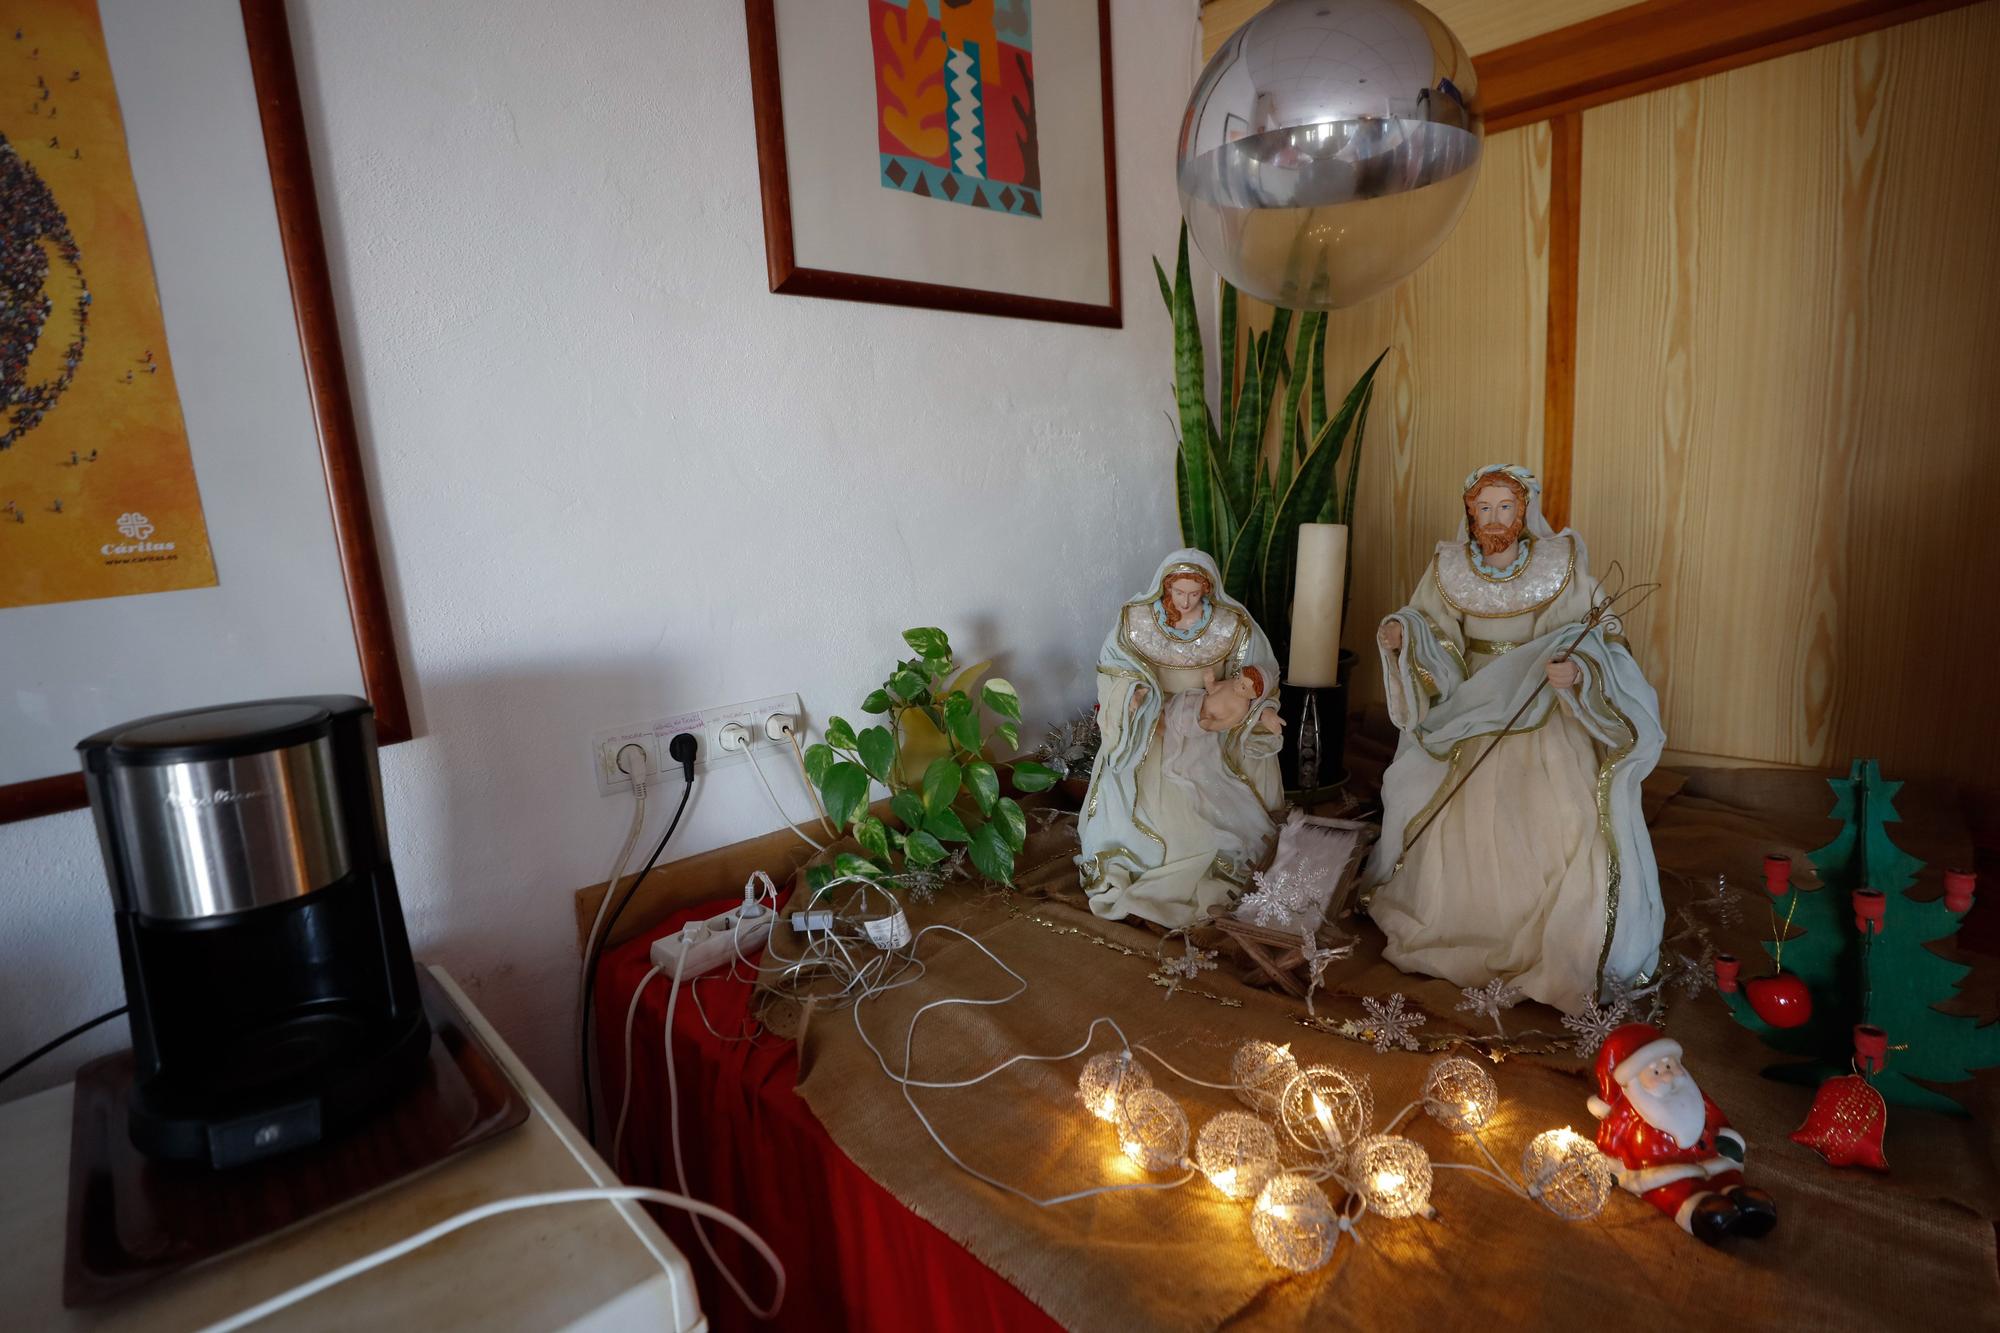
46,1047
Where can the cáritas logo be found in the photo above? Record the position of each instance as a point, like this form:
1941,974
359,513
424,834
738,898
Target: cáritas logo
137,528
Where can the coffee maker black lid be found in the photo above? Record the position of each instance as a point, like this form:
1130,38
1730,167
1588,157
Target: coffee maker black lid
211,733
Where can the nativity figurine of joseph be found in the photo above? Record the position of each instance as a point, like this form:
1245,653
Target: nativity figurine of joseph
1538,871
1181,797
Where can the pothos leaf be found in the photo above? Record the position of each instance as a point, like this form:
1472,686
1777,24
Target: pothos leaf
992,855
923,850
878,752
909,808
947,826
873,835
962,721
928,642
878,701
839,733
1031,776
847,863
1001,697
819,758
984,785
845,792
1009,736
941,782
1012,821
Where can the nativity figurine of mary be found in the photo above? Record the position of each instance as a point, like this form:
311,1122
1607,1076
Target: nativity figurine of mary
1179,811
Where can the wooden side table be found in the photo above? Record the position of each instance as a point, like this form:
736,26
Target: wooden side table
586,1266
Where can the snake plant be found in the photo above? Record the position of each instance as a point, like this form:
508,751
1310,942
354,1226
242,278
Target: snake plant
1239,501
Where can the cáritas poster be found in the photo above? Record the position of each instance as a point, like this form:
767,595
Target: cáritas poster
97,489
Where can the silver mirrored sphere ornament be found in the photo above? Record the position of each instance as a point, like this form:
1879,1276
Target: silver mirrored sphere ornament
1329,148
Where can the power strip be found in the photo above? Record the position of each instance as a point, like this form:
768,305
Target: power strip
703,946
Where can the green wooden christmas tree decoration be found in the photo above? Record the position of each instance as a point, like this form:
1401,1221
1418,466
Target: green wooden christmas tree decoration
1885,976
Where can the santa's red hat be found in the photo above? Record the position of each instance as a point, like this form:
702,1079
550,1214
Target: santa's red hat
1624,1053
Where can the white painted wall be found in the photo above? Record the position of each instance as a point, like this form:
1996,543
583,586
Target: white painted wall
614,477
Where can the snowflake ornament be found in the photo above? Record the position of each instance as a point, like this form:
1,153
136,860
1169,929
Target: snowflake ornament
1187,967
1280,901
1692,976
1392,1023
1489,1000
1726,907
1594,1022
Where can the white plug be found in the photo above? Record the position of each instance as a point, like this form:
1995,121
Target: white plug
780,726
733,737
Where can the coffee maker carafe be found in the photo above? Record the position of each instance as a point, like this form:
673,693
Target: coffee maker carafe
273,999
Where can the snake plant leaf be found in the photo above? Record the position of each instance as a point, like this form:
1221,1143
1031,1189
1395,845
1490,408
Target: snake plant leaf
1316,402
878,752
1240,567
1346,510
1274,364
1197,477
1288,439
1223,531
1226,362
1240,467
1166,288
1189,535
1305,497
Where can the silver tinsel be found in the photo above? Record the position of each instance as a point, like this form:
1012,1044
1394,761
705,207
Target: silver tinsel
1070,748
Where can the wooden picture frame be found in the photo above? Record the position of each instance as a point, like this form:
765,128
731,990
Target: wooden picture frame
267,34
789,277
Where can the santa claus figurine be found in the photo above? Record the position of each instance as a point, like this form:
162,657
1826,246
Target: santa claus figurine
1671,1144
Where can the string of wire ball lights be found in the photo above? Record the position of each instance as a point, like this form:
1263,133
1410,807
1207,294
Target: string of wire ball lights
1310,1125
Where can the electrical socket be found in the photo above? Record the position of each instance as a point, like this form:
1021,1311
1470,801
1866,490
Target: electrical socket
605,747
706,727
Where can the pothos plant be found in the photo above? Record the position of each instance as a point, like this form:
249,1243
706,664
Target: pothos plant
934,754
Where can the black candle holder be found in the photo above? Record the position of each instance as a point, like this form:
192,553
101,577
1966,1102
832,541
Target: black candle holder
1313,760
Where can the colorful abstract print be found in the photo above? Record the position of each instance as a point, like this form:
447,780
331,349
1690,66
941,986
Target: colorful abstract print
955,102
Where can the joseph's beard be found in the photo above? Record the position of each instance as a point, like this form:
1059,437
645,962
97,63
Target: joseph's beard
1494,538
1676,1110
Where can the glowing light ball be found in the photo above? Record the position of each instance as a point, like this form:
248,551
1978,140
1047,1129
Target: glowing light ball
1294,1224
1459,1094
1392,1174
1325,1109
1153,1130
1107,1079
1260,1071
1329,148
1238,1153
1567,1173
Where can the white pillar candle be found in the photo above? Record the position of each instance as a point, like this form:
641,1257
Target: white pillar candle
1322,569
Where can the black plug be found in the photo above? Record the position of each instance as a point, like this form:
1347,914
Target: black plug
683,748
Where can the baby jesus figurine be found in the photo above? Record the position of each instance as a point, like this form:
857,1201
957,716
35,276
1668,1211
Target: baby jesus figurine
1227,702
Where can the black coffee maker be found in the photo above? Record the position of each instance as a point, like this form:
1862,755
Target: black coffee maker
273,999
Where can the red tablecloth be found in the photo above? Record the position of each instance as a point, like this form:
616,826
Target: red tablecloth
854,1257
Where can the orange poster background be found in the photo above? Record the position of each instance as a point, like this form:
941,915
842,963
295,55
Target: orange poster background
58,516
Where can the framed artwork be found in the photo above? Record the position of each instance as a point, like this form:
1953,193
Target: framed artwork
953,154
183,518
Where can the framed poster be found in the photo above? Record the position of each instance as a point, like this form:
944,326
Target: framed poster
954,154
183,519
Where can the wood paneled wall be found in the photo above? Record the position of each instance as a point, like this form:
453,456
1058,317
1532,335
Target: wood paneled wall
1788,395
1786,388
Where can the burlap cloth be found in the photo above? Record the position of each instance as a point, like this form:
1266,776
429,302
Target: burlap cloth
1852,1250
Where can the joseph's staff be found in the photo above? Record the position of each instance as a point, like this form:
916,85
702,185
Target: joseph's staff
1604,607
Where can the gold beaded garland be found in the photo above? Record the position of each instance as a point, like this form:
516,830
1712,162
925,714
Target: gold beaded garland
1238,1153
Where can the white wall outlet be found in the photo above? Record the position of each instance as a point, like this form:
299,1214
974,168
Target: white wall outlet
606,747
751,717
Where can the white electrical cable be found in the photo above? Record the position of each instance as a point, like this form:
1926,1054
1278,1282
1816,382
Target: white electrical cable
693,1207
750,753
625,1096
604,907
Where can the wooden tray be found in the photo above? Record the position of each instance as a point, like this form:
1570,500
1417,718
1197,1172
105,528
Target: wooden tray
132,1220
